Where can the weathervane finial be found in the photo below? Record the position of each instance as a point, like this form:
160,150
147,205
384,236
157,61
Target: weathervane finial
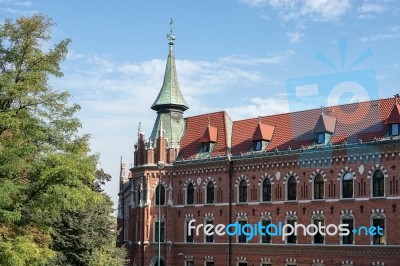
171,35
322,109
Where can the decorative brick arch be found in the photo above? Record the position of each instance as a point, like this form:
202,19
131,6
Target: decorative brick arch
318,172
346,214
289,174
347,263
377,167
207,180
291,215
209,216
263,177
378,214
378,263
240,178
162,183
318,214
266,216
187,182
344,170
241,216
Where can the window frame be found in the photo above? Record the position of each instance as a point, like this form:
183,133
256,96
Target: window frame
161,201
321,138
351,236
291,189
189,239
346,187
190,196
295,238
381,239
242,192
156,228
211,237
266,237
266,196
394,130
315,221
318,184
257,145
380,181
242,238
208,187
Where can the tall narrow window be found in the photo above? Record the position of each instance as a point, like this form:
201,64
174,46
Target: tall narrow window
242,264
210,192
189,263
205,147
257,145
347,185
159,231
318,238
243,191
266,238
379,237
160,195
190,194
189,233
394,129
209,224
348,239
318,187
378,185
138,195
292,238
266,190
291,188
144,193
209,263
321,138
242,237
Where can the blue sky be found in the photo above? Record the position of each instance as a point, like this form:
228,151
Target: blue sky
235,55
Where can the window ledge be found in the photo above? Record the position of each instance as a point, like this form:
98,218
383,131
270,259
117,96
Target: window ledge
377,198
318,200
347,199
242,203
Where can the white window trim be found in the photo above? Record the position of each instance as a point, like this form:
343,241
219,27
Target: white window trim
341,184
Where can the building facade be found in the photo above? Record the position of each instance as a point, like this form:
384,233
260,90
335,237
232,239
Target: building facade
336,165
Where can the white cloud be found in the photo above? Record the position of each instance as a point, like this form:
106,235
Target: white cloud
258,106
368,7
294,37
272,59
326,10
392,33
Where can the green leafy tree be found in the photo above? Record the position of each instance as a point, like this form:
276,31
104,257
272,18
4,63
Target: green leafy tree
46,169
88,237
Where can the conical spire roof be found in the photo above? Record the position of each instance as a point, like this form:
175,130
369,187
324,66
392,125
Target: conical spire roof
170,95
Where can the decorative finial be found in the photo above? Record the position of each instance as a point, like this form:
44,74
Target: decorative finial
322,109
209,121
140,128
259,119
396,97
171,35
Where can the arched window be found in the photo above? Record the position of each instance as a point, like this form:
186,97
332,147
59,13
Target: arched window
266,190
210,192
318,187
160,195
243,191
378,186
347,185
190,194
291,188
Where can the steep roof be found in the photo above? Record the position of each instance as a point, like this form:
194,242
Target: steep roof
394,117
358,121
325,123
263,132
170,96
197,126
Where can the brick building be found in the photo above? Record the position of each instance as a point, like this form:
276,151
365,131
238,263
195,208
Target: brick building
340,164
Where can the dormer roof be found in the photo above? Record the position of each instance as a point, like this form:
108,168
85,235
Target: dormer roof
394,117
325,124
210,134
263,132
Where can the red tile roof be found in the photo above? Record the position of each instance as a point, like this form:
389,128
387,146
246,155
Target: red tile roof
210,134
325,123
394,117
195,129
263,132
358,121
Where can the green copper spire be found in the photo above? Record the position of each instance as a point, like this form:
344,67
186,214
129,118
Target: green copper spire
170,96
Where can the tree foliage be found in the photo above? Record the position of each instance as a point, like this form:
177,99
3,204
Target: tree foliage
46,169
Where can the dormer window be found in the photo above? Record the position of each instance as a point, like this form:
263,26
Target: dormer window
205,147
324,129
321,138
262,136
394,129
257,145
208,140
